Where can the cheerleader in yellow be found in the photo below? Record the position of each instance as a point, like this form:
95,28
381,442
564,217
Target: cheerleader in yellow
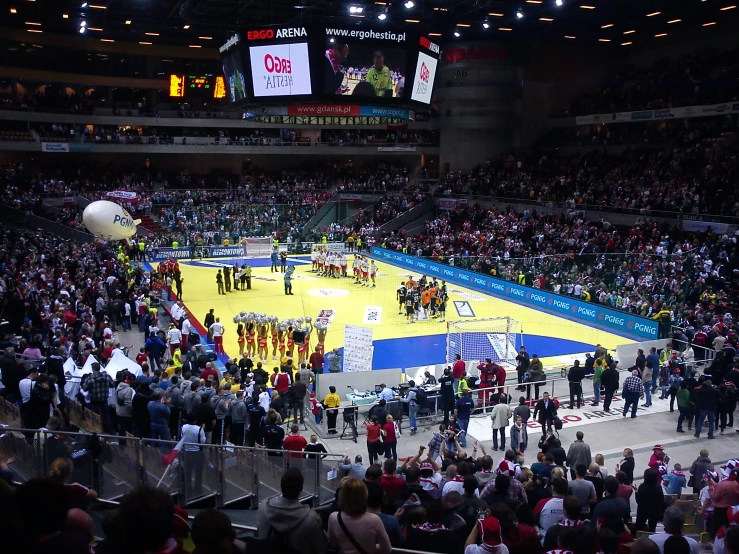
250,340
262,342
321,330
240,331
304,348
290,342
274,333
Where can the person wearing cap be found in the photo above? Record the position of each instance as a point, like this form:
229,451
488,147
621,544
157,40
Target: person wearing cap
701,465
487,531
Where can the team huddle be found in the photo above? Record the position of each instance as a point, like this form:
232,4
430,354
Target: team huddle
334,264
421,300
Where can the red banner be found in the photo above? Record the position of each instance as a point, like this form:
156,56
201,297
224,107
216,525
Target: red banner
323,109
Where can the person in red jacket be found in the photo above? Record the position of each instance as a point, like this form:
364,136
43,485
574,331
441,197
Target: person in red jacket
500,376
487,377
458,370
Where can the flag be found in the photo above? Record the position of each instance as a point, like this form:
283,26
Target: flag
169,459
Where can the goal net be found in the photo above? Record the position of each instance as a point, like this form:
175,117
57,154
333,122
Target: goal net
496,338
259,247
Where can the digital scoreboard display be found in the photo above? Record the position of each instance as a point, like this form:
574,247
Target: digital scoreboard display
219,89
199,82
176,86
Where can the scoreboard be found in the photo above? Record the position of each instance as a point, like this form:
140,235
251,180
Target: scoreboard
197,86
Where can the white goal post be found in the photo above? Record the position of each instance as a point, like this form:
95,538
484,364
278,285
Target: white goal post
477,339
259,247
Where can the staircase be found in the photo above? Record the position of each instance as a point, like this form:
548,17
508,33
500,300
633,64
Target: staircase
148,223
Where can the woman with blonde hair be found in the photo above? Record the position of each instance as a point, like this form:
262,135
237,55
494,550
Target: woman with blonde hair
601,461
354,530
60,471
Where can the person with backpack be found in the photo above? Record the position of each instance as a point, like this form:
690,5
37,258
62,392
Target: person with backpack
285,524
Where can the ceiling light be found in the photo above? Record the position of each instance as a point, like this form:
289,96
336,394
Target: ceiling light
206,38
33,23
382,16
661,35
82,30
495,14
195,46
84,4
586,7
34,30
152,34
332,39
106,40
570,36
607,26
558,2
485,25
709,24
186,27
128,21
413,21
98,7
630,32
456,34
726,8
146,43
83,23
94,29
463,25
625,43
653,14
13,10
675,21
65,16
534,1
604,40
547,19
434,34
352,9
504,29
409,4
519,14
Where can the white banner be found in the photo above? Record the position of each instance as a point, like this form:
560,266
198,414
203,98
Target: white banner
280,69
335,247
122,194
325,318
423,83
665,113
55,147
357,348
372,315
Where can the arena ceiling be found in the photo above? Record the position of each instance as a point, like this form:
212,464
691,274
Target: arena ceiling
208,23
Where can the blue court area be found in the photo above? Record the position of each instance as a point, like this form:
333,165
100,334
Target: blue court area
429,349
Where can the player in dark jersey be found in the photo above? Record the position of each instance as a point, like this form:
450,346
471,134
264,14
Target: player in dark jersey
409,310
416,300
400,294
442,299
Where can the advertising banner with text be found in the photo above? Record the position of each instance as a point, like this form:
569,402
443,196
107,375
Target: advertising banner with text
568,307
665,113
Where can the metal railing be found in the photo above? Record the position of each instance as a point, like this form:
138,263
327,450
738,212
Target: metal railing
113,465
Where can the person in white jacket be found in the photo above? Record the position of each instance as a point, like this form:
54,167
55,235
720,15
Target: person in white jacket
689,358
501,418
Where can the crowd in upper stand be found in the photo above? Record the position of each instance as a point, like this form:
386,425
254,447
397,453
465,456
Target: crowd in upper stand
703,77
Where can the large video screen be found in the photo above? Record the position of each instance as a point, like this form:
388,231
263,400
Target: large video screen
364,63
280,69
233,71
423,82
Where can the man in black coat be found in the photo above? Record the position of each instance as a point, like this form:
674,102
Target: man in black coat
545,412
609,380
575,376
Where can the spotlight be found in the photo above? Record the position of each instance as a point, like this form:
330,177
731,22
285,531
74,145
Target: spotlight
382,17
82,30
83,24
559,2
456,34
352,9
519,14
84,4
409,4
485,24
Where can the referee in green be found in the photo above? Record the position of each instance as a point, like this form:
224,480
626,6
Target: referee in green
379,76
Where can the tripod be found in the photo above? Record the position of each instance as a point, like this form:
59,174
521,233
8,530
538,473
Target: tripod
350,421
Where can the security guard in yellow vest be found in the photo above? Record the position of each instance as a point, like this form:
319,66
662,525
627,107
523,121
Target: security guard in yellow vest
359,243
175,244
142,250
521,278
276,243
248,277
324,239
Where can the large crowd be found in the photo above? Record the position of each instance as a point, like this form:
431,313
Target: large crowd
699,78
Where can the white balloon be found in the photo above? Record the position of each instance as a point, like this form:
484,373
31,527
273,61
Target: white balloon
109,221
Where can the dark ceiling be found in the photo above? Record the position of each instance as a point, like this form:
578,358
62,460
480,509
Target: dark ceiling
208,23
